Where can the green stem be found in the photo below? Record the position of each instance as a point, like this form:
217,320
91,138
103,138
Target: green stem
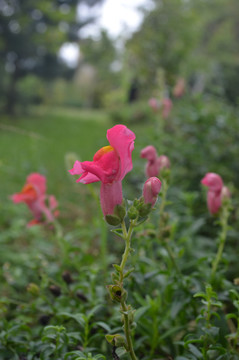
161,225
127,237
127,331
163,204
103,229
222,236
171,255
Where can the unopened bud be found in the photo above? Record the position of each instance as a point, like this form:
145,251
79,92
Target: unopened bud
81,296
163,162
55,290
133,213
116,340
117,293
66,276
225,193
145,209
33,289
151,190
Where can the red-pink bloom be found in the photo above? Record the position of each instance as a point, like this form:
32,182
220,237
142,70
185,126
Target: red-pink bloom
155,163
110,165
214,196
167,107
151,190
179,88
33,194
154,104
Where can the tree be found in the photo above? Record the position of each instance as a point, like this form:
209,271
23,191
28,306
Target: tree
31,33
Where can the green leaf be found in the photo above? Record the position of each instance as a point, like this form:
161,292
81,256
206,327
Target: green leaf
117,268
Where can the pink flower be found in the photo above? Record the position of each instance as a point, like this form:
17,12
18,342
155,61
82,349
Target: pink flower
151,190
216,191
33,194
154,104
167,107
150,153
225,193
155,163
110,165
163,162
179,88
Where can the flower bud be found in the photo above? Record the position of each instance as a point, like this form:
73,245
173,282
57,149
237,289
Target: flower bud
117,293
133,213
145,209
55,290
116,340
163,162
81,296
33,289
225,193
151,189
66,276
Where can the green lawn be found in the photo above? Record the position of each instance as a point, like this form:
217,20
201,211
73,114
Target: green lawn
40,142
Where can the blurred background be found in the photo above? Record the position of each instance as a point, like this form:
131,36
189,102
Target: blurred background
72,68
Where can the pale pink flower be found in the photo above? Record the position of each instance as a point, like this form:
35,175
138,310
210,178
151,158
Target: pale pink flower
225,193
216,191
154,104
167,107
151,190
110,165
179,88
33,194
163,162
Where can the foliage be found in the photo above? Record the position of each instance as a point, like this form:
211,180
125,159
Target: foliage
31,36
54,302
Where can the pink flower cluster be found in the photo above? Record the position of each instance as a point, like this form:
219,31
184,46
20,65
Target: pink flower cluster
33,194
216,191
155,163
166,106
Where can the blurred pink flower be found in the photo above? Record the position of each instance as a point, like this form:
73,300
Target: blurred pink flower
216,191
155,163
179,88
150,153
167,107
151,190
33,194
154,104
110,165
163,162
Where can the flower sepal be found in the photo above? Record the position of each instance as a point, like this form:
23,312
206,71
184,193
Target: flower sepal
113,220
117,293
116,340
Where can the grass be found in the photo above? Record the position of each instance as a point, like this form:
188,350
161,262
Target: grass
40,142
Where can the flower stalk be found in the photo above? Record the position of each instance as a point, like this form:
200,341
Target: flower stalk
118,292
224,215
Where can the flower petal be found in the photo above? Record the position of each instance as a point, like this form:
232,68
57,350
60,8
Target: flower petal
77,168
110,196
38,181
122,140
